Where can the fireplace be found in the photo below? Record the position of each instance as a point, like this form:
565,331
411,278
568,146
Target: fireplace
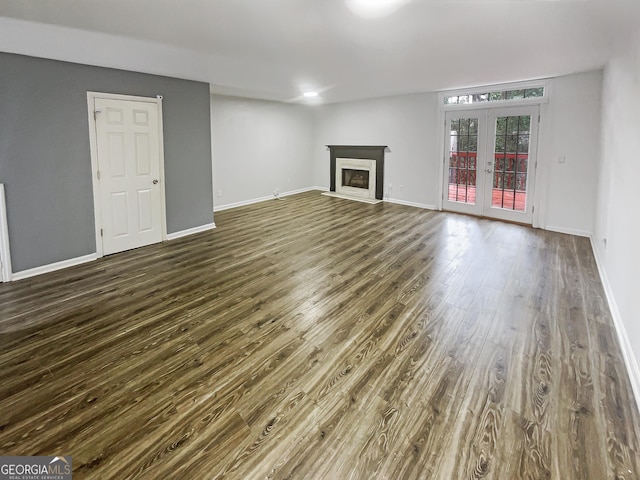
356,177
357,170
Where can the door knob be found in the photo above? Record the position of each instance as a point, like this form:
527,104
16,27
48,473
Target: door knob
489,170
155,181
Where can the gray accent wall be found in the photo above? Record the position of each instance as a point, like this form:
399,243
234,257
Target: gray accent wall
45,161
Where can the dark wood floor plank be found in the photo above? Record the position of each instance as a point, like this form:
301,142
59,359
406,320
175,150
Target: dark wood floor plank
583,451
316,337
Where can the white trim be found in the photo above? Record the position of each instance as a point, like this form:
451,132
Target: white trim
495,87
370,201
93,147
625,344
301,190
443,156
212,112
321,189
569,231
543,172
264,199
127,98
52,267
191,231
411,204
496,104
243,203
163,193
5,252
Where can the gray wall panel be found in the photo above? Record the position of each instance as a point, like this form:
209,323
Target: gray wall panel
45,160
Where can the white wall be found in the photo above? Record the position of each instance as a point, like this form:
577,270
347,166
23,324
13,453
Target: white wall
409,125
406,123
257,147
617,218
570,133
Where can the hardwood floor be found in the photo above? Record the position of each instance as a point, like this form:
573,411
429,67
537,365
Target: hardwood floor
321,338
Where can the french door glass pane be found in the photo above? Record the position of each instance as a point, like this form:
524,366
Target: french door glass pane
511,161
463,160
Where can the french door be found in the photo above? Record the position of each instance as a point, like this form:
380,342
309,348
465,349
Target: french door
490,157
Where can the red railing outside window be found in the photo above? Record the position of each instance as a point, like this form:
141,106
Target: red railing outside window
509,170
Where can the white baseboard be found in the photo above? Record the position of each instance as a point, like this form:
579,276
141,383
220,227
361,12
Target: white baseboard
52,267
191,231
264,199
569,231
625,344
242,203
410,204
301,190
370,201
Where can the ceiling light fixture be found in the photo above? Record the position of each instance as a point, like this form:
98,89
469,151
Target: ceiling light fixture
310,94
374,8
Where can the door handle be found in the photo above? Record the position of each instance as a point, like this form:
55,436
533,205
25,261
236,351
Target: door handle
489,170
155,181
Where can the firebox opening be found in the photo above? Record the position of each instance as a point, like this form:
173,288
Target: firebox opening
355,178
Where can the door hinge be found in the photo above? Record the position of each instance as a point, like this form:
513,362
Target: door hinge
95,114
533,209
98,174
538,118
101,232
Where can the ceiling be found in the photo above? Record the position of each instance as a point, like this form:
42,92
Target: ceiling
276,49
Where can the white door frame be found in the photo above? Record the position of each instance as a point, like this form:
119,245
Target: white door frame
93,144
542,170
5,253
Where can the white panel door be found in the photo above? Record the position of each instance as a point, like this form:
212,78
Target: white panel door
128,151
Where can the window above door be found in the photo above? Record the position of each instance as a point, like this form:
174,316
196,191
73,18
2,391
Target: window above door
526,93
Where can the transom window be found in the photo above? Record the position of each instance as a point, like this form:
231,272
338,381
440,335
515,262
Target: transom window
495,96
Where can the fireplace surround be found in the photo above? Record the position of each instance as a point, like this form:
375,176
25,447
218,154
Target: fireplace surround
354,153
356,177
